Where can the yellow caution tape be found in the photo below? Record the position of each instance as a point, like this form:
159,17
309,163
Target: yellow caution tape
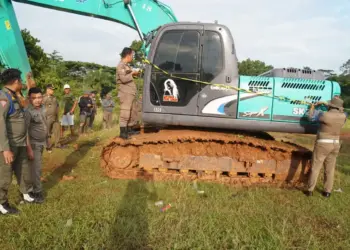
282,98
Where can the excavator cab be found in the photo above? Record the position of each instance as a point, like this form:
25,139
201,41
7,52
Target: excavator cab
193,81
189,51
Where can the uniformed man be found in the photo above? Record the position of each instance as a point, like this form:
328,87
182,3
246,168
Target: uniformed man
13,141
327,143
51,106
126,93
86,106
94,109
69,105
107,106
36,140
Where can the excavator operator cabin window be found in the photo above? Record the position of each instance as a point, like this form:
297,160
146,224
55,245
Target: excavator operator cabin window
178,52
212,57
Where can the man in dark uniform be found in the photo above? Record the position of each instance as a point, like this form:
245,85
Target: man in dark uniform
51,106
94,109
126,93
13,141
86,106
327,143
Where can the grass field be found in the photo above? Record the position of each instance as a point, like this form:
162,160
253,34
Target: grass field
94,212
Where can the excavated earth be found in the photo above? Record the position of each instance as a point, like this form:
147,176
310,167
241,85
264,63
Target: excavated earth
208,156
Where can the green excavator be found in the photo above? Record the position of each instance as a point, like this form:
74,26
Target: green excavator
211,117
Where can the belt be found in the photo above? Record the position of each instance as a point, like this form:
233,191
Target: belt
327,141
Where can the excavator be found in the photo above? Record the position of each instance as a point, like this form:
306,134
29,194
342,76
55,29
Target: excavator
202,119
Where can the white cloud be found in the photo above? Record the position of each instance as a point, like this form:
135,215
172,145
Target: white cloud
313,33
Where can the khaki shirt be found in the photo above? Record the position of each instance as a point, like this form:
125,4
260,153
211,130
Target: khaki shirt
51,106
108,105
36,122
13,129
125,81
331,123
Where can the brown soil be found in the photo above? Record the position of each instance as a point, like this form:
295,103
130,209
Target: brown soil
68,178
188,154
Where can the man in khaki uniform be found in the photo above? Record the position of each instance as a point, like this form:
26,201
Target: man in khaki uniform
13,141
51,106
327,144
108,106
126,93
36,140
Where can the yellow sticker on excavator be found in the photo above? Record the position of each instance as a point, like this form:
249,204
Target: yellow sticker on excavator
7,24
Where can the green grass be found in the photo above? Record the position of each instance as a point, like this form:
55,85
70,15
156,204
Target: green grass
120,214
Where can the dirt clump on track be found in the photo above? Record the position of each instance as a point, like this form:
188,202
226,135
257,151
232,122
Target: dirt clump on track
211,156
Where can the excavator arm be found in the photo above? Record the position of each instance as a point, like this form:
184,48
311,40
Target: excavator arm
144,16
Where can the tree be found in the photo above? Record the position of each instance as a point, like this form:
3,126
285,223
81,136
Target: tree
252,67
307,68
346,67
38,60
136,46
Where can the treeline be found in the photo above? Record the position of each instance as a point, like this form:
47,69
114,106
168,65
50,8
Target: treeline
52,68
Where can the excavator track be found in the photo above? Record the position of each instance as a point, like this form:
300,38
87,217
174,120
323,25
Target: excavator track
183,154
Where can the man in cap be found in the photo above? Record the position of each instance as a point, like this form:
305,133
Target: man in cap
69,105
126,92
51,106
86,106
327,143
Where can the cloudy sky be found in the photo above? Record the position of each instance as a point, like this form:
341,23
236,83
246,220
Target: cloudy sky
296,33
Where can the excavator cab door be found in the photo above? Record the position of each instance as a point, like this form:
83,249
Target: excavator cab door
176,51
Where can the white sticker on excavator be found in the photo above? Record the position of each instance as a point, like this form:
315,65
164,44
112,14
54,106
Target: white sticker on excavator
298,111
171,93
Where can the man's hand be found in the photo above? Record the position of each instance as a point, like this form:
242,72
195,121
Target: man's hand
89,105
30,81
30,153
135,72
8,156
321,103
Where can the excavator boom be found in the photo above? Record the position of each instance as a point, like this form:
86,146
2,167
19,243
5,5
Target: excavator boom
143,16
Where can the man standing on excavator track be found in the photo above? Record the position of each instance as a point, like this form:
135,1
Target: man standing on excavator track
126,93
327,145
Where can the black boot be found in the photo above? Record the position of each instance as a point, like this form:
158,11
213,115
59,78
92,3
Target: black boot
5,208
123,133
308,193
39,197
326,194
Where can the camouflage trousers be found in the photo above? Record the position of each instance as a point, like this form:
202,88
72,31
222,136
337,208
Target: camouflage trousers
21,169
